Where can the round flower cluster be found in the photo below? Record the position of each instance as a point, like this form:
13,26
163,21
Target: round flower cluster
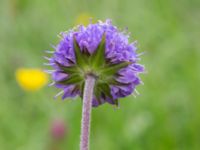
100,50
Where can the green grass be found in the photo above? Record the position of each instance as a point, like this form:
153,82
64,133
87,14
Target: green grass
166,114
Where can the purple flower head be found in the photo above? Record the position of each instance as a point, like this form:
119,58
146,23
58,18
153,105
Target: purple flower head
100,50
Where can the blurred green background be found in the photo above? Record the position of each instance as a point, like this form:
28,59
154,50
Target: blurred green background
166,116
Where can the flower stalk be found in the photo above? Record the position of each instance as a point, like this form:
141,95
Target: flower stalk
98,63
86,112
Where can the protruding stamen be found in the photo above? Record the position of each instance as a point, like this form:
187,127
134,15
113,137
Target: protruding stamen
60,36
60,93
51,84
142,82
49,52
48,64
53,46
49,71
47,58
136,92
133,95
140,54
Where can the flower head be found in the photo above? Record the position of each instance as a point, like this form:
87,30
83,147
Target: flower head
100,50
31,79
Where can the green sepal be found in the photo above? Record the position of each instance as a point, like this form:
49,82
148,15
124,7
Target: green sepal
81,58
98,57
82,88
116,101
114,68
72,79
100,90
69,69
104,88
97,92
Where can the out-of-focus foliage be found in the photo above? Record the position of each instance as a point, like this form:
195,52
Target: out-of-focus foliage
166,114
83,19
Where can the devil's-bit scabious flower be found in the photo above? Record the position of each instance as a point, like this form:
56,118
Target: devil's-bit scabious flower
98,63
31,79
101,50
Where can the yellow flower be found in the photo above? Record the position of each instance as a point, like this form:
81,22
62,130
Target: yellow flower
83,18
31,79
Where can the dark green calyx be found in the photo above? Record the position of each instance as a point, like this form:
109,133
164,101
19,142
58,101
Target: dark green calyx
96,65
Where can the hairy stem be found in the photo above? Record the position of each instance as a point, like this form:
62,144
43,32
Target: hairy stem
86,112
